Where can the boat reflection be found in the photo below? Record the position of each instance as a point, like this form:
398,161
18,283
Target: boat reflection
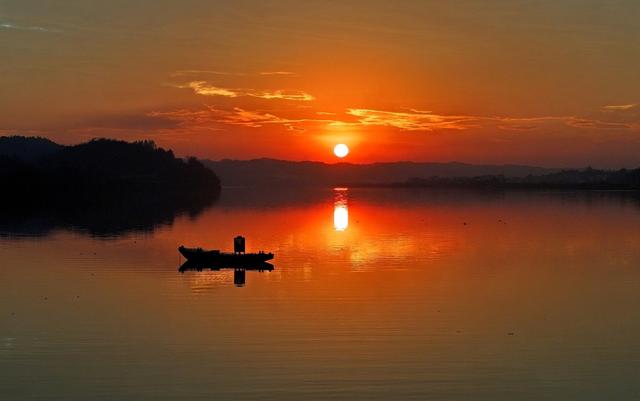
239,273
340,209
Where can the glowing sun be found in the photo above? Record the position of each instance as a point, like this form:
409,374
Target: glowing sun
341,150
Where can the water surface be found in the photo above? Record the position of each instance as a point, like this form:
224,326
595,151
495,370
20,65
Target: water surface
375,295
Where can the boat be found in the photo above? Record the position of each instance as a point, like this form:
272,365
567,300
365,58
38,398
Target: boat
237,258
215,257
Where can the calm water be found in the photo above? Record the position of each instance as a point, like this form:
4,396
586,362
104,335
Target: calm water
376,294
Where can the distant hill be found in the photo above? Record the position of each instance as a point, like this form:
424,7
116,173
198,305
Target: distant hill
588,178
37,170
108,162
27,149
270,172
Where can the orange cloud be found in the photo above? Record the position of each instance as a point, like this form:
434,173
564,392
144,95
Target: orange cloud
528,123
236,116
182,73
618,107
247,118
596,124
277,73
415,120
283,94
206,89
203,88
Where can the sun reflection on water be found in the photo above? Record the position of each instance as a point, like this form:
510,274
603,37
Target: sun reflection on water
340,209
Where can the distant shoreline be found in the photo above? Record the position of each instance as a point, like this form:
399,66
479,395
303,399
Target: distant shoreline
37,169
585,179
532,188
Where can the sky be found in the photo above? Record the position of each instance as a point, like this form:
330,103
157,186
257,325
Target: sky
549,83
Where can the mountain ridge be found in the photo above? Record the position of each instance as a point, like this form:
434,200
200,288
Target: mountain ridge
276,172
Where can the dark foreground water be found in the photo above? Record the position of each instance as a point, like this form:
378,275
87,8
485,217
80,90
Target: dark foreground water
375,295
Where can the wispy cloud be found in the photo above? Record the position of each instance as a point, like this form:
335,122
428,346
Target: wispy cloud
236,116
186,116
181,73
522,123
129,121
277,73
518,127
595,124
283,94
255,119
230,73
529,123
411,120
6,25
414,120
206,89
619,107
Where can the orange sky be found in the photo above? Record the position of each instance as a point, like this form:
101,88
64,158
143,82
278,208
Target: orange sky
542,83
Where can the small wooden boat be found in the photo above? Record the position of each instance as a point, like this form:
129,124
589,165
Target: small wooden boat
215,257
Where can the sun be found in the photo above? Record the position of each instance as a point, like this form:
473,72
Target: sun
341,150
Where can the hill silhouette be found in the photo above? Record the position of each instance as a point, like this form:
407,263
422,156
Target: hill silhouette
27,149
588,178
105,164
281,173
103,186
102,166
259,173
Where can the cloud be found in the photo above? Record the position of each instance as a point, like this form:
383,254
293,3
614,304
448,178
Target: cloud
237,116
135,122
206,89
411,120
277,73
414,120
248,118
528,123
181,73
521,123
595,124
229,73
203,88
618,107
417,120
518,127
283,94
6,25
185,116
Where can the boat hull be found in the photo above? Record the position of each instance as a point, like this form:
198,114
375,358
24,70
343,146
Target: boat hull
198,255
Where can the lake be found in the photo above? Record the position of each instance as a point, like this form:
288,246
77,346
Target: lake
376,294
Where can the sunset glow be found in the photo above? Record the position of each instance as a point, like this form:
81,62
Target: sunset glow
541,83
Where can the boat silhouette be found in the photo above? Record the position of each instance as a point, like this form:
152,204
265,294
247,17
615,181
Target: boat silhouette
238,258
